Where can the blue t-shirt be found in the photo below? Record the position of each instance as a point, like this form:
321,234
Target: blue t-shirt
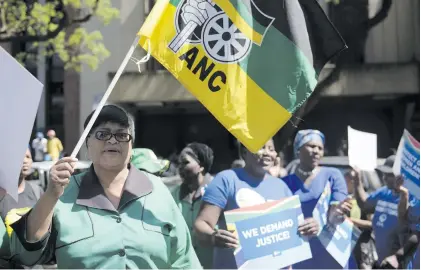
309,196
233,189
414,226
385,220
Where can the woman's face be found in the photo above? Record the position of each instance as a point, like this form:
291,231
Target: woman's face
188,168
390,180
110,146
311,153
264,158
27,164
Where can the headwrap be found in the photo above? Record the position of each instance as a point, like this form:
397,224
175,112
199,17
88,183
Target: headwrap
305,136
202,153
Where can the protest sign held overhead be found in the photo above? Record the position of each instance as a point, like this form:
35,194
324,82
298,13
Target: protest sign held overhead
362,149
243,59
268,234
407,163
21,94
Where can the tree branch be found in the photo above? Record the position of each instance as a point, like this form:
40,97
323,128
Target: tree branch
87,17
64,22
381,14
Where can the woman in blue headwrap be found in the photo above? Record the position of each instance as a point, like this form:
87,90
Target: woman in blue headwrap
309,182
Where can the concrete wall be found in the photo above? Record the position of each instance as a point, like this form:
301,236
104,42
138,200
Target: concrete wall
396,39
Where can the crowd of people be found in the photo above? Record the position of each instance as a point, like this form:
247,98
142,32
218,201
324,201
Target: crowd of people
120,214
47,149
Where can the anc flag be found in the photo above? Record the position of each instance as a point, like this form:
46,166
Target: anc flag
251,63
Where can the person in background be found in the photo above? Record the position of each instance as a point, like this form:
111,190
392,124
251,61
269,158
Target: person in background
195,162
278,169
408,254
238,163
39,145
233,189
308,182
144,159
112,216
54,145
4,242
282,163
365,249
383,203
355,215
28,195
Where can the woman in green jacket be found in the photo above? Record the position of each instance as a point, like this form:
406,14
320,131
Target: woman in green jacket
195,162
113,216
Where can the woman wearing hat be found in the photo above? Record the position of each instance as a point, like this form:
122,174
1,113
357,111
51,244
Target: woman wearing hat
309,182
113,216
195,162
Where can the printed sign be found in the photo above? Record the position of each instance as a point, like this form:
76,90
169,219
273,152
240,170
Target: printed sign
339,240
407,163
268,234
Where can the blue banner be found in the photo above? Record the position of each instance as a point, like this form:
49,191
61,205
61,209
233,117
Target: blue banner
408,163
270,234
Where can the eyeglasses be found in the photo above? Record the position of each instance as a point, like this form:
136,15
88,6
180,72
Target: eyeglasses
119,136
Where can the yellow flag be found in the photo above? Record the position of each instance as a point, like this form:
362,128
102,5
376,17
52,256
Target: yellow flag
242,61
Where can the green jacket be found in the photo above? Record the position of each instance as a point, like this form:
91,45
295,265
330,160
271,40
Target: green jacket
146,231
4,247
190,207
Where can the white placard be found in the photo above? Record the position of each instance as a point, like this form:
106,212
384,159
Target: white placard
20,94
362,149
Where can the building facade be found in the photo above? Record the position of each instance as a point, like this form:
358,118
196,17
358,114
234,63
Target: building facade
381,95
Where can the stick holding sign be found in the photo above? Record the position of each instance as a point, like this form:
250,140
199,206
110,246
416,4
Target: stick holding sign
104,99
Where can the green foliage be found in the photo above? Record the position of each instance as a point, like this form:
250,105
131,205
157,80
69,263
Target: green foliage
56,27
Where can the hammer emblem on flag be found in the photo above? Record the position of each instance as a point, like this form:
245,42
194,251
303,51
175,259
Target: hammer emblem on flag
204,22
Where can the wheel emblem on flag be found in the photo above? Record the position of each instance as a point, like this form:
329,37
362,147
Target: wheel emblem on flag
203,22
223,41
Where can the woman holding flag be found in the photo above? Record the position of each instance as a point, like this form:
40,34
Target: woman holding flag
309,182
113,216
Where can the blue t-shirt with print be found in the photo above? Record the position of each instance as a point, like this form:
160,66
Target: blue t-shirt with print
309,195
385,220
233,189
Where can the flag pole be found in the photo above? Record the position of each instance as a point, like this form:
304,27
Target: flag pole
105,97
